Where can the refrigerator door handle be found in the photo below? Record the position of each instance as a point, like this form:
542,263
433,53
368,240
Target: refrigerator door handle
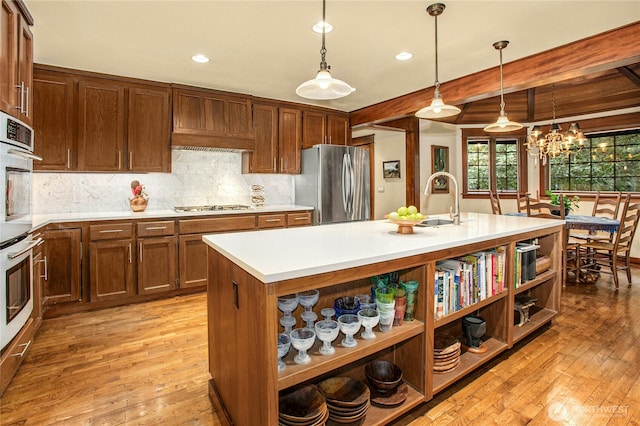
345,182
352,185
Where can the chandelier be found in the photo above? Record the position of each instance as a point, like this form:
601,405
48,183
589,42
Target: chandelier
556,142
324,87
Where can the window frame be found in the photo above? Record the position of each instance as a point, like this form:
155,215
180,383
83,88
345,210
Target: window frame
493,138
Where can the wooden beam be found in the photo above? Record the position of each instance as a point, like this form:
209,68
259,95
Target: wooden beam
632,76
612,49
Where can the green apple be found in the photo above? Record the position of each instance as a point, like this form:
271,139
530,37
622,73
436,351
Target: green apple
411,216
403,211
412,209
394,215
419,216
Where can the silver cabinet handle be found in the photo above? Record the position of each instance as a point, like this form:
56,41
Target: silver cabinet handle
26,346
46,270
130,253
68,158
110,231
23,154
130,159
140,253
31,245
21,106
273,220
300,218
119,160
281,164
27,102
155,228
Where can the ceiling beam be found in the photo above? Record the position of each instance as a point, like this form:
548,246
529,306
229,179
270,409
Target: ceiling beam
612,49
632,76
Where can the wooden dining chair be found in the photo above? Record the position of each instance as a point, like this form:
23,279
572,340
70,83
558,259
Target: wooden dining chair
608,207
495,202
543,209
521,198
614,255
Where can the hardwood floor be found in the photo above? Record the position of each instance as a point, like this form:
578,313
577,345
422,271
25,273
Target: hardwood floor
147,364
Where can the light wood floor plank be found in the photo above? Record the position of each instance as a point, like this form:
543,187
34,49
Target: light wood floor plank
147,364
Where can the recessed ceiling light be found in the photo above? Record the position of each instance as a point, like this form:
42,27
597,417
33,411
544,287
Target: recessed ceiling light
327,27
200,59
404,56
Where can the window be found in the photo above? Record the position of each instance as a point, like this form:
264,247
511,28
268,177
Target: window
492,163
607,162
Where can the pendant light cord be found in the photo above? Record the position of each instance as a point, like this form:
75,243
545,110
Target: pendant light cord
437,84
323,50
553,102
501,87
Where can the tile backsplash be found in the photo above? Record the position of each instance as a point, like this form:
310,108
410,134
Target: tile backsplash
197,178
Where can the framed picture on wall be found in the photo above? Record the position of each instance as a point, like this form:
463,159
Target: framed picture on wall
391,169
440,163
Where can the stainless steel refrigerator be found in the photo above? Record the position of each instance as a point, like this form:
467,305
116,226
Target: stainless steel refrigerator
335,181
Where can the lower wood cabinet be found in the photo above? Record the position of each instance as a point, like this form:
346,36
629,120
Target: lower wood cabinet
62,265
112,269
193,261
157,264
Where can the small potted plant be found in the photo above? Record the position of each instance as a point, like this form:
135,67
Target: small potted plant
140,198
570,203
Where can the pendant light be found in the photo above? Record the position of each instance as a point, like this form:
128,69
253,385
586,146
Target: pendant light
324,87
437,109
503,124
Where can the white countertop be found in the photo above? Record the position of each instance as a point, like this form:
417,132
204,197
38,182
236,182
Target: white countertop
280,254
44,219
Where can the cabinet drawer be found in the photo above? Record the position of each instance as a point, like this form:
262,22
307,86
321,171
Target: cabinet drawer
271,221
218,224
154,229
15,354
111,231
299,219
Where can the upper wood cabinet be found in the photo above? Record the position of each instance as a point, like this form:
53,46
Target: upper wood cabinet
278,140
16,60
88,123
209,118
324,128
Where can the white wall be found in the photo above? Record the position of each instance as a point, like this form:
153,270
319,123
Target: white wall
389,193
196,178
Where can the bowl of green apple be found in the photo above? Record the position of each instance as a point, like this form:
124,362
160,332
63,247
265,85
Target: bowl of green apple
406,217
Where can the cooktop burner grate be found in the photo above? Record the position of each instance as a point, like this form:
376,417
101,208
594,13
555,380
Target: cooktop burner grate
214,207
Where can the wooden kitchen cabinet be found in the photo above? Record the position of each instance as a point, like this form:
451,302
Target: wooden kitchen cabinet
16,60
278,140
193,261
210,118
112,256
157,257
94,123
324,128
53,121
62,265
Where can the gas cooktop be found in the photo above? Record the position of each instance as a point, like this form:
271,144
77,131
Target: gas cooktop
215,207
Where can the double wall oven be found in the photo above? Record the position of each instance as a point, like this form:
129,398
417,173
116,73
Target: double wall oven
16,244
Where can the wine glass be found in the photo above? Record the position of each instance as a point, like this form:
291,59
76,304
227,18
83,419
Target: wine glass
349,325
287,304
309,317
284,343
369,319
308,298
327,331
302,339
327,313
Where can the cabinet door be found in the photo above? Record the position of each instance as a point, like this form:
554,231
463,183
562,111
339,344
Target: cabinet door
53,120
188,112
265,156
239,119
100,126
193,261
62,265
111,270
314,128
37,278
8,56
290,140
25,71
156,264
337,130
148,143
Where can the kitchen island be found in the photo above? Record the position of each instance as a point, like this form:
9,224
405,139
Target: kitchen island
248,271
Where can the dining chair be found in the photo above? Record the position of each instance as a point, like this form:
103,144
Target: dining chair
543,209
521,198
614,255
608,207
495,202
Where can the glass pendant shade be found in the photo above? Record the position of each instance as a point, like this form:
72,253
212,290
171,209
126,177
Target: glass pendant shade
324,87
503,124
438,109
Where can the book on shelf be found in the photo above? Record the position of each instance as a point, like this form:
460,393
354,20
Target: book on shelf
525,263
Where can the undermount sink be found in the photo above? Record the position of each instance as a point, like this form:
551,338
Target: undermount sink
435,222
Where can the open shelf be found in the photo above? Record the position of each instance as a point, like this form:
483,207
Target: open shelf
536,320
539,279
468,362
468,309
320,364
378,415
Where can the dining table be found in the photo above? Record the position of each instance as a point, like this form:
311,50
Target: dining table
589,223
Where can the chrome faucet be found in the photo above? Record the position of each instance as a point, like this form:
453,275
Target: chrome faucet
454,213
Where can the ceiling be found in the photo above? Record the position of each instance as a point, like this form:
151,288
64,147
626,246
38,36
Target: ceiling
267,48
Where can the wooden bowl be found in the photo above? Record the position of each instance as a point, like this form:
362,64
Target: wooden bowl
302,405
383,375
344,391
406,226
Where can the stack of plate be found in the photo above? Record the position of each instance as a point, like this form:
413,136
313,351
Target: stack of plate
446,353
303,407
347,399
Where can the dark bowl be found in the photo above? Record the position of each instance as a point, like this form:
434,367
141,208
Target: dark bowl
383,375
346,305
